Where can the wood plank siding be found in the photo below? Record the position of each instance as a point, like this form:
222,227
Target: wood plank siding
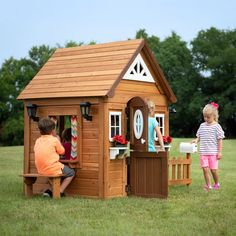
116,174
86,182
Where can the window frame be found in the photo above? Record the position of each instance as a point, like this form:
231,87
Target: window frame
138,131
67,111
162,128
115,113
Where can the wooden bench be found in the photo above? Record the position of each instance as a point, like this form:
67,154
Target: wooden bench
55,181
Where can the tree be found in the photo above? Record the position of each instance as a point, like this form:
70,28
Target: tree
40,55
214,56
175,60
14,76
153,41
200,74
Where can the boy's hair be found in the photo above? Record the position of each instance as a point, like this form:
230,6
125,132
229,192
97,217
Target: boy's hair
210,109
46,126
66,135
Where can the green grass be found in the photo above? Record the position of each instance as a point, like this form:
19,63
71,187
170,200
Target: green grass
187,211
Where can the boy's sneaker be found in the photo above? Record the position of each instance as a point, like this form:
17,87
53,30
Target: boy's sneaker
216,186
207,188
47,193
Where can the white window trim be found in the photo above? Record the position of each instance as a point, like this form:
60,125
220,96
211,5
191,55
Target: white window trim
110,114
162,116
139,76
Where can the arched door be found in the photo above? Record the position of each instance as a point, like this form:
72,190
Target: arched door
147,171
138,115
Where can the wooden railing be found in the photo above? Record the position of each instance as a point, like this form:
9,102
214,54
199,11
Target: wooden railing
179,170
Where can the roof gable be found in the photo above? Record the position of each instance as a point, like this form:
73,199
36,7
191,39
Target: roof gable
139,71
93,70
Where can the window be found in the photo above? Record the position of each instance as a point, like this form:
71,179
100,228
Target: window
138,124
161,121
67,130
114,124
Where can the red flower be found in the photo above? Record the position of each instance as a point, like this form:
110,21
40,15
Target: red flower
167,139
119,139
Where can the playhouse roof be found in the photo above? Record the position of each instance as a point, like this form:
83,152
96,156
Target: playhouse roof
93,70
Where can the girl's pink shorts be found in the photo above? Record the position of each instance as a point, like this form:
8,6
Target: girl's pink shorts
210,161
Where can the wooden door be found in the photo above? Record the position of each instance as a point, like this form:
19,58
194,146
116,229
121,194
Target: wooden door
138,124
147,171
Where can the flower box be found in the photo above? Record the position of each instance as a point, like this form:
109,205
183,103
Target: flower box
166,146
118,152
166,140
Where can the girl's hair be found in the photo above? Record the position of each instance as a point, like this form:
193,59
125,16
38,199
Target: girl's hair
66,135
150,104
46,126
211,109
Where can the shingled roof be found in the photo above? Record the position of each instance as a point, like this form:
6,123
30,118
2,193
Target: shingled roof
93,70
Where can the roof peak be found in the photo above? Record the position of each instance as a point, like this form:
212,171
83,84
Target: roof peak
98,45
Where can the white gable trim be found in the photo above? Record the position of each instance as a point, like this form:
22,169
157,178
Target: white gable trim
139,71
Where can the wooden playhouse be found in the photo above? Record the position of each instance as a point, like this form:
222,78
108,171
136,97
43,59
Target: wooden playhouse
113,80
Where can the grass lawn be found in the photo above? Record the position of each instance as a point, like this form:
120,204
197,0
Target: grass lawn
187,211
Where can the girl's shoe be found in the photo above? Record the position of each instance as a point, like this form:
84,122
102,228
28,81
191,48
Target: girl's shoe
207,188
216,186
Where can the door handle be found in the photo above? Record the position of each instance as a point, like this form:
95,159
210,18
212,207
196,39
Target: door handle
143,140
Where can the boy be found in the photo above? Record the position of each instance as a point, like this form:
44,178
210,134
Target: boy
47,150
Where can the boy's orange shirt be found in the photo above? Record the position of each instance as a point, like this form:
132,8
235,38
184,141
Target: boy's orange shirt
47,149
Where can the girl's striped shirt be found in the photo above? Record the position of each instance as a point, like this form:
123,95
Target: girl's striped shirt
209,136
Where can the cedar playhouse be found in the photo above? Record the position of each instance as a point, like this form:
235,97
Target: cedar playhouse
113,79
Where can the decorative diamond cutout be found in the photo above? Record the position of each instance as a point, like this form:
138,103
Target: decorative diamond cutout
139,71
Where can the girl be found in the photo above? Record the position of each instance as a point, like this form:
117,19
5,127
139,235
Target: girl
66,142
210,135
153,126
